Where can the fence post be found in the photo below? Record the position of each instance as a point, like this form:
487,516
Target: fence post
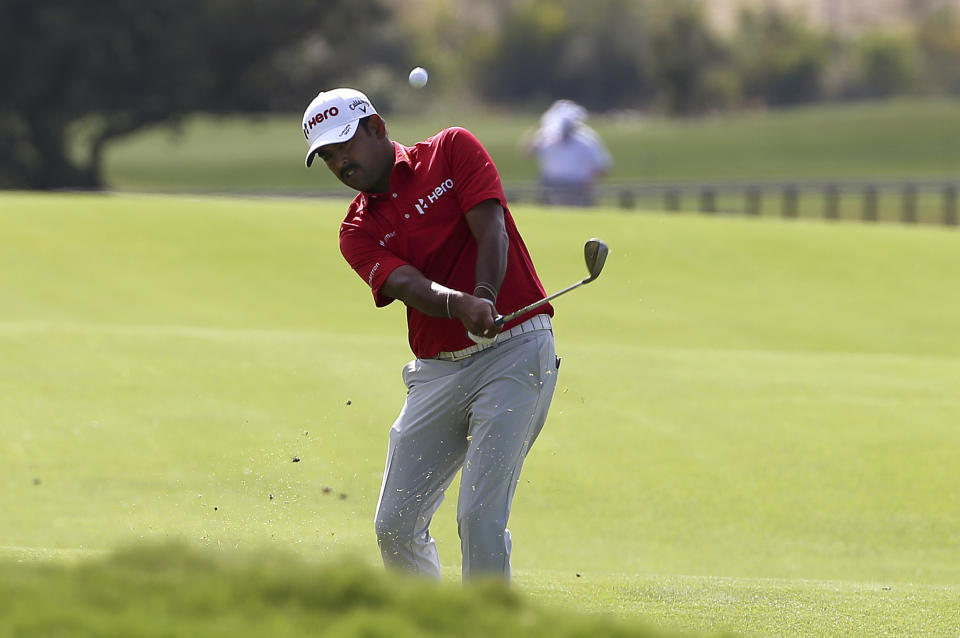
754,200
831,196
754,194
707,201
950,205
672,200
790,201
909,204
870,204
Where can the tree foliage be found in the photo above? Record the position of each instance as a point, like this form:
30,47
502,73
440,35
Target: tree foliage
683,53
938,44
543,49
110,67
779,60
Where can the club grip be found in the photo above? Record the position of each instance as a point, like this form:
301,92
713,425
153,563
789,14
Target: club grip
498,321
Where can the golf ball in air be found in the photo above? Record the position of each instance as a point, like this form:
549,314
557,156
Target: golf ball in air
418,77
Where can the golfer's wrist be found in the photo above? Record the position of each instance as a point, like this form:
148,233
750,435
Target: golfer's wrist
493,306
459,305
485,291
452,304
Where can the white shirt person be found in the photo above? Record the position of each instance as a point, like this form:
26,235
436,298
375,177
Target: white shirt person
570,154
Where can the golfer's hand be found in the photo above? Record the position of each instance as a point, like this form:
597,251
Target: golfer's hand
477,315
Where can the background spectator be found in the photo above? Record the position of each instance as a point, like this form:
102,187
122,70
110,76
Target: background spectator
570,154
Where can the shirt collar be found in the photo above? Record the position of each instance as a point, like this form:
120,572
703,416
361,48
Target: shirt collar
401,156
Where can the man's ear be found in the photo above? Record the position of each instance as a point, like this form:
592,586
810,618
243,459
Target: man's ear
378,128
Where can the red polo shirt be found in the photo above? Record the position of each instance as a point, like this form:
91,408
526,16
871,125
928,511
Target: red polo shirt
421,221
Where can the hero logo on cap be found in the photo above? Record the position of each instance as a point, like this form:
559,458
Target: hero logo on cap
332,117
319,117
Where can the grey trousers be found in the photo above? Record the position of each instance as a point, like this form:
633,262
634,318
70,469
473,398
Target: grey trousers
481,414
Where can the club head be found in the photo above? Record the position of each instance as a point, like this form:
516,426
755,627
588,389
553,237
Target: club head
595,252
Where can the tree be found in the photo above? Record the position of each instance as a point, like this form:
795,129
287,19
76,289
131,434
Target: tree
591,52
780,59
889,64
938,43
102,69
684,52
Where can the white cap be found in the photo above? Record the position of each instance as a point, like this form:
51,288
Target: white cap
563,111
332,117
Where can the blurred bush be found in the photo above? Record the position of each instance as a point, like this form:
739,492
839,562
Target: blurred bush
591,52
666,55
888,65
938,44
778,59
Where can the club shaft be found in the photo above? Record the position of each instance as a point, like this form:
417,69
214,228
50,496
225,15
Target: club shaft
536,304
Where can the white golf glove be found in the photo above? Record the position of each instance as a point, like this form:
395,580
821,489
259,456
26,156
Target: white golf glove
479,340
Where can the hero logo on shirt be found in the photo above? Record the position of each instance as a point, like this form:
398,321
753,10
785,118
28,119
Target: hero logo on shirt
423,204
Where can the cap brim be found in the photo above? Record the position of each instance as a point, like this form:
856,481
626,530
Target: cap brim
342,134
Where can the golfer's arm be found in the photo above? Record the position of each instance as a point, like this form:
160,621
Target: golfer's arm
489,230
410,286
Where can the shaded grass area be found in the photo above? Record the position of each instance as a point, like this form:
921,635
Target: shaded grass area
169,590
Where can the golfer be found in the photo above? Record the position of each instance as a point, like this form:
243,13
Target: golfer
430,227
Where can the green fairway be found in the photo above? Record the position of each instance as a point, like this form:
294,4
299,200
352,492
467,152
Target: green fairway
755,426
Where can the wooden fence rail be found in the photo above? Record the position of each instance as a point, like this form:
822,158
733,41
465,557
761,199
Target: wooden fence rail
784,198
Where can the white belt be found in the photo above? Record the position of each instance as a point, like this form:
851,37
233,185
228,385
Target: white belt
538,322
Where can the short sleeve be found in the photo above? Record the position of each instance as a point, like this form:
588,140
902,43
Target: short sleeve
474,173
369,259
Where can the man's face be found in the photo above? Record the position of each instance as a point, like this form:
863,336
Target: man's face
363,162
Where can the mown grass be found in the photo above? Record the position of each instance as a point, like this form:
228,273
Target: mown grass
883,140
753,430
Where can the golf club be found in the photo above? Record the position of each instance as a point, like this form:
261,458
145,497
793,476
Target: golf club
594,252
